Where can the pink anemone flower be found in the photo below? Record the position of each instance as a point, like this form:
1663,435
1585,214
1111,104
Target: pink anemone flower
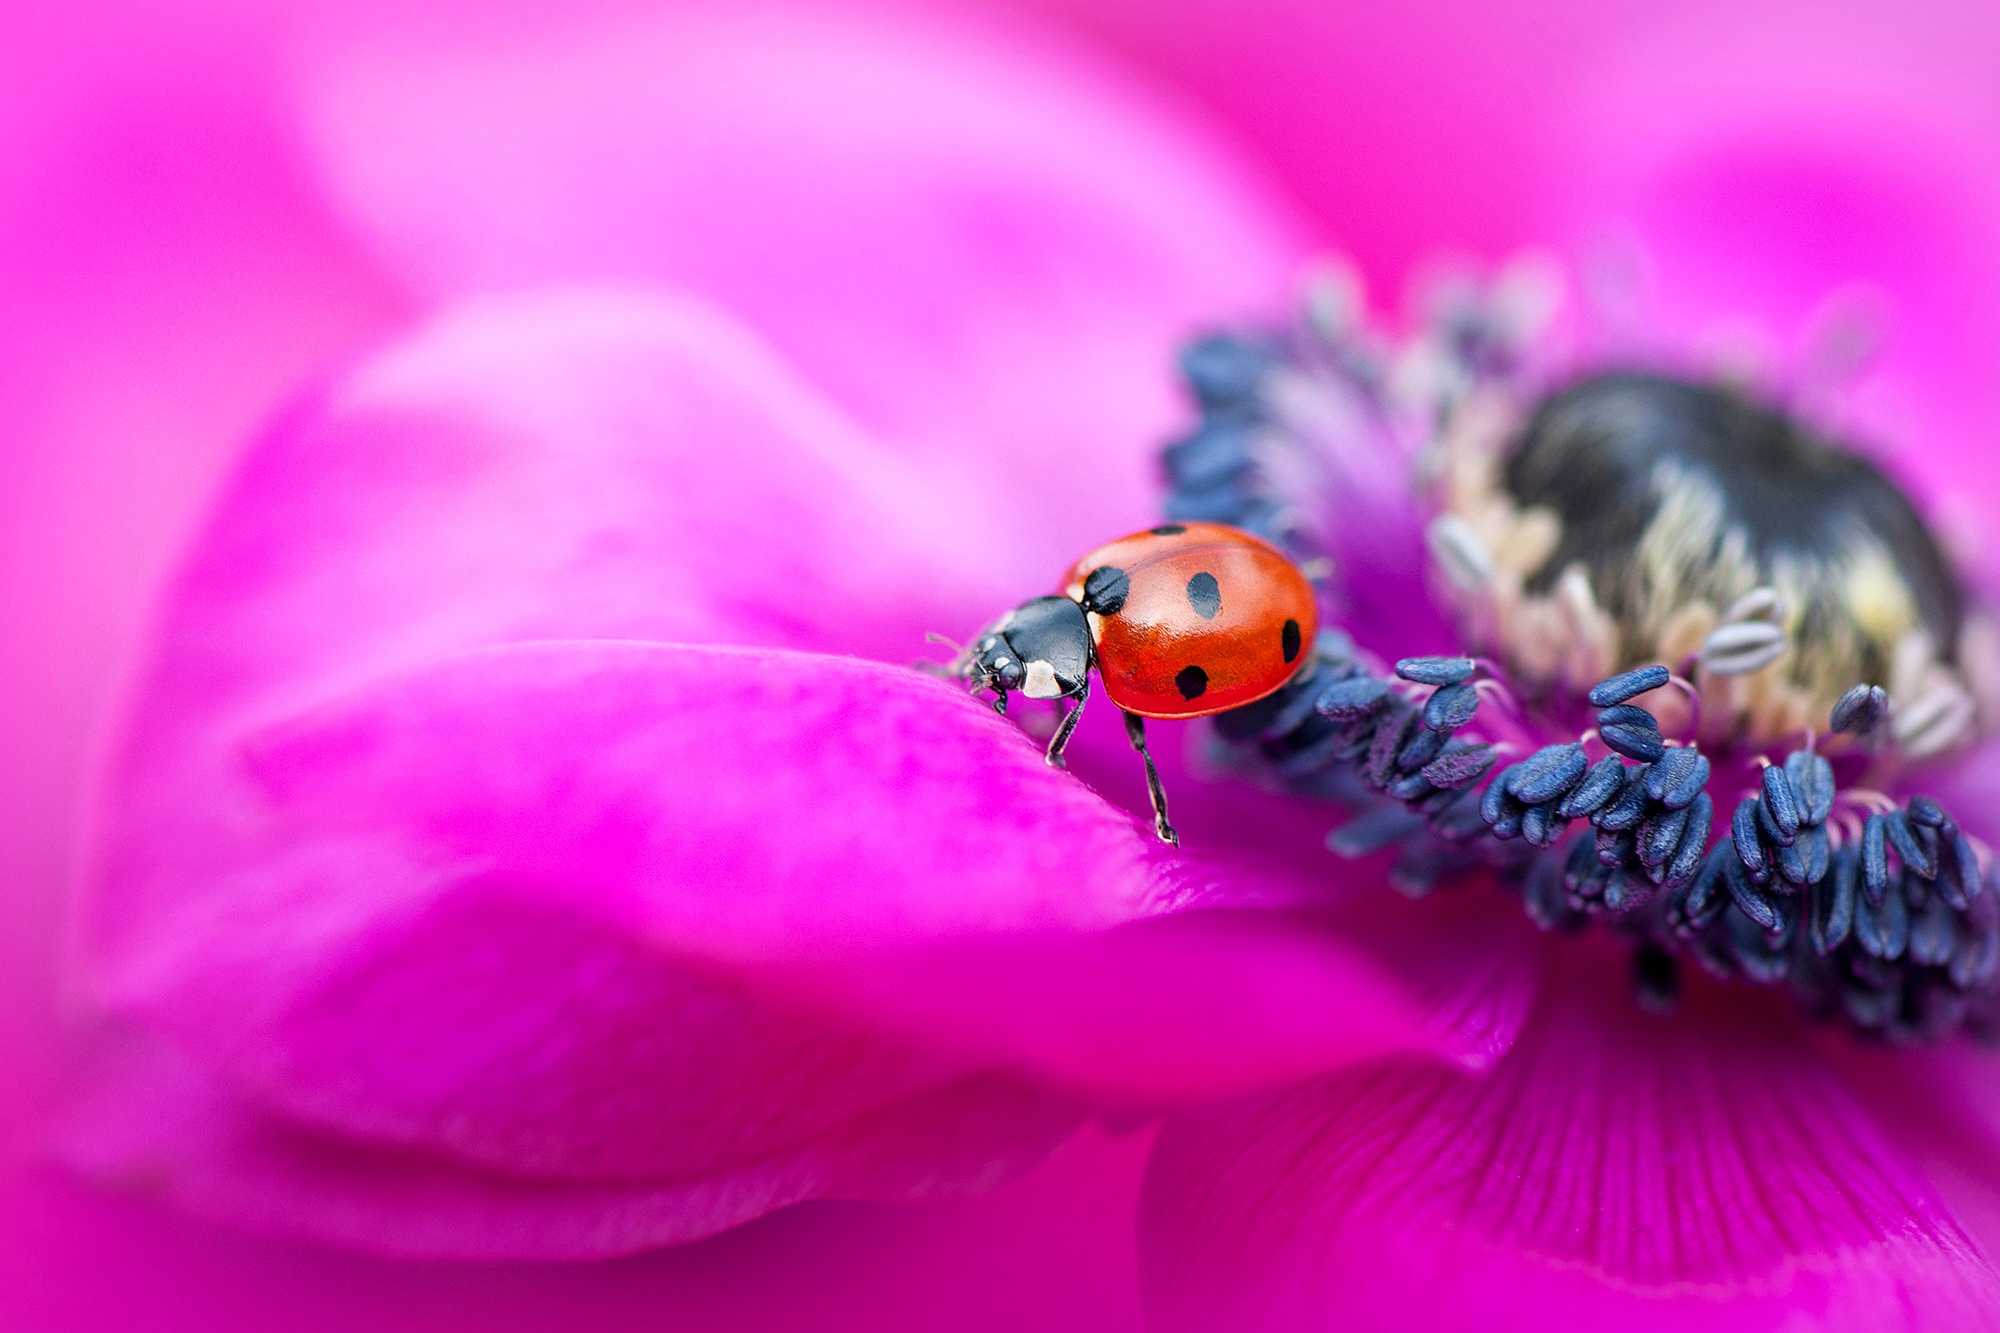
527,836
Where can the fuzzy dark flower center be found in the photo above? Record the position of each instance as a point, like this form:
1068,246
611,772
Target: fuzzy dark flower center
1678,501
1633,518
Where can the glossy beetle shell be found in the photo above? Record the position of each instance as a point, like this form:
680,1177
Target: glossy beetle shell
1213,618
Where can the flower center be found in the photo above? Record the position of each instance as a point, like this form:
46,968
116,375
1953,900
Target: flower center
1711,639
1635,518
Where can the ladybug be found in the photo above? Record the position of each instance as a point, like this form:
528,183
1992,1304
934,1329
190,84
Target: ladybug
1183,620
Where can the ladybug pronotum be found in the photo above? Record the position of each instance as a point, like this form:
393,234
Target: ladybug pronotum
1178,621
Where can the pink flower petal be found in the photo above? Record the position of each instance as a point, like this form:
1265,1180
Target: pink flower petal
571,463
1189,1004
158,1121
502,907
165,279
582,858
983,244
528,931
1943,1108
1612,1171
1472,959
1052,1251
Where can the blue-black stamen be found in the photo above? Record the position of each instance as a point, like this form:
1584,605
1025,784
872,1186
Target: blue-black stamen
1780,805
1549,774
1745,838
1678,777
1604,780
1628,807
1628,685
1881,917
1909,845
1859,711
1633,732
1875,857
1898,933
1435,670
1451,707
1811,777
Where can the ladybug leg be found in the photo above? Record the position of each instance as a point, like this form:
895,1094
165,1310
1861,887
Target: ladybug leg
1135,731
1060,741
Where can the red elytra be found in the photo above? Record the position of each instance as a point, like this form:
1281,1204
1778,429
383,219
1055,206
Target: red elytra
1213,619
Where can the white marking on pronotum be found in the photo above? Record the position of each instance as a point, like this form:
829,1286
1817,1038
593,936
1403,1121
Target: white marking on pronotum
1041,682
1746,646
1940,718
1459,552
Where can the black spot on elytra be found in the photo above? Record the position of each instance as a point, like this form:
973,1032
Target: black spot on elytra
1205,595
1291,640
1168,530
1192,682
1105,590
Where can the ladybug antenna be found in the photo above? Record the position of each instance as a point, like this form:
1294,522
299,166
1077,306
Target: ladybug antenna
951,670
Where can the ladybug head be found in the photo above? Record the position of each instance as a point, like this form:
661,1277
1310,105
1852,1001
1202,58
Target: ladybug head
1041,648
